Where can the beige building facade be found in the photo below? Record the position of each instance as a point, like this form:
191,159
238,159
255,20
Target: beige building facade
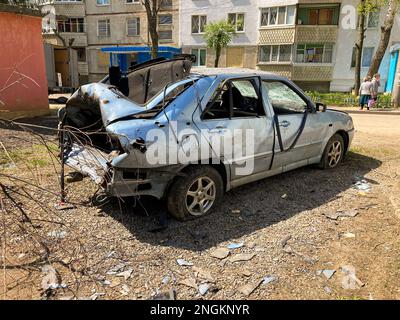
97,24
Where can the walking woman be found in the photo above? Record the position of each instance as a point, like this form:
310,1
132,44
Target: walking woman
365,93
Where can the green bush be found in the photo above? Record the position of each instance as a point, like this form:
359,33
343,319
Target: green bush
347,99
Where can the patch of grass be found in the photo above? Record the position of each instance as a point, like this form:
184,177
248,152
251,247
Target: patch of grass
35,156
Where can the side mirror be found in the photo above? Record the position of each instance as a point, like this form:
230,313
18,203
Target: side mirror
321,107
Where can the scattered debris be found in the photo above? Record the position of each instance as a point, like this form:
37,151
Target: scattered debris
184,263
203,288
362,185
95,295
348,235
328,273
165,280
116,269
236,211
242,257
51,279
284,196
249,288
57,234
220,253
269,279
350,280
234,246
125,290
126,274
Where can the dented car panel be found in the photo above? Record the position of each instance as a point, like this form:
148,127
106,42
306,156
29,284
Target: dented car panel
285,139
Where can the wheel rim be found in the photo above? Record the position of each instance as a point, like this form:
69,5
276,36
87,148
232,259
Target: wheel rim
334,154
200,196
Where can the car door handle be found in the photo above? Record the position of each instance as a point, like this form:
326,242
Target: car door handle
284,124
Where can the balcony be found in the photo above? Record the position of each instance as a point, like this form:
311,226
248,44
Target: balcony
312,72
277,35
316,34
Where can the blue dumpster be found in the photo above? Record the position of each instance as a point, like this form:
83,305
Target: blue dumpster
124,57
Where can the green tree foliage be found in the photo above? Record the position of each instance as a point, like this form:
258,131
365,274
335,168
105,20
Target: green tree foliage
218,35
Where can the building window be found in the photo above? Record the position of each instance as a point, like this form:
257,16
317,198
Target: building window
314,53
71,25
275,53
366,57
165,19
198,24
373,19
284,15
132,1
318,16
237,20
165,3
103,28
201,57
133,27
165,34
102,2
81,54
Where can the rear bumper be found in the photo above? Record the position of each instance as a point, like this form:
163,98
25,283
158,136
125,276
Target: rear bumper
136,182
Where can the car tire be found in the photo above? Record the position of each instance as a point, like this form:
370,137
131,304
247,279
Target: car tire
334,152
201,186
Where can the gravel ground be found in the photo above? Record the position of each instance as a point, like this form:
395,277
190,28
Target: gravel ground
307,234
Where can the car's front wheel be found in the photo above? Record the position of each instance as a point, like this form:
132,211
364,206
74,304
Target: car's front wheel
334,152
195,194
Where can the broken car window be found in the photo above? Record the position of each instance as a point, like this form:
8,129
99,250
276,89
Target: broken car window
284,100
246,102
242,94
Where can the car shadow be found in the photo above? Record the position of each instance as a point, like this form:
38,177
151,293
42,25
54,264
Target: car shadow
243,210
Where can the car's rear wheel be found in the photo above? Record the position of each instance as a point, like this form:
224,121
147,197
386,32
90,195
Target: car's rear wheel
333,153
195,194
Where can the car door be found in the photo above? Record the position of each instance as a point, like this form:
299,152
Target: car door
293,115
235,116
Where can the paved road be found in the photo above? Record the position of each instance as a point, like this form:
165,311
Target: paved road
381,125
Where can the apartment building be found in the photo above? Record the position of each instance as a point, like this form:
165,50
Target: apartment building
66,21
121,23
304,40
312,43
243,14
98,24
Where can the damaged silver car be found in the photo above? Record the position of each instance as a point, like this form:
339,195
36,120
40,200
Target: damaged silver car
113,132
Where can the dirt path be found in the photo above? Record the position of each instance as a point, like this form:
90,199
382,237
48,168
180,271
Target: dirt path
110,253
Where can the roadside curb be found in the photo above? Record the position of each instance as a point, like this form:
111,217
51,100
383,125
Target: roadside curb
375,112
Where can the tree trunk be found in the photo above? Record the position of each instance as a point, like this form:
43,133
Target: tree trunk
359,46
386,31
152,12
217,55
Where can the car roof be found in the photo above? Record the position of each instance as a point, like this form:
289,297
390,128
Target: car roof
224,73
